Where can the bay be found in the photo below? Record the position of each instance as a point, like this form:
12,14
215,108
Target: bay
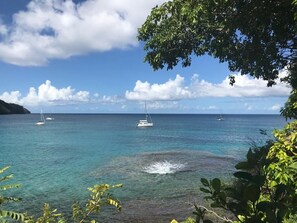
160,167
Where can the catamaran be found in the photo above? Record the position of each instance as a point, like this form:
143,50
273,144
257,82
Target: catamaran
147,122
49,118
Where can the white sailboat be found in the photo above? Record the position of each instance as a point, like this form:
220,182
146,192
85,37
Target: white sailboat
147,122
41,121
49,118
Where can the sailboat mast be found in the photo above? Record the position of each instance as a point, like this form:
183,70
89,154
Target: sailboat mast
145,110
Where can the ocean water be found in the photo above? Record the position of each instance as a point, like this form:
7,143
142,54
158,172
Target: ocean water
160,167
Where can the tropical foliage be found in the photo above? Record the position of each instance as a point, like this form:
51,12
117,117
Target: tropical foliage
254,37
265,188
48,216
5,214
99,196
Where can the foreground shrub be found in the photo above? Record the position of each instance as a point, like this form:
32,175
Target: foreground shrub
7,214
265,187
100,196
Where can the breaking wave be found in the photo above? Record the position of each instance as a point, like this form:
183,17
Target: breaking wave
164,167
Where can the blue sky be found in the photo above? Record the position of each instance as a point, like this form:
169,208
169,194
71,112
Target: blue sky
83,57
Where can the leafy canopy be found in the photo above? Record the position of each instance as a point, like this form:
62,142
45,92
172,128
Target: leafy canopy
254,37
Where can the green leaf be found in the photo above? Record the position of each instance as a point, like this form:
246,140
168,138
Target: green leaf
205,190
250,155
259,180
204,182
241,218
243,175
263,205
280,192
216,184
12,215
114,203
10,186
6,178
4,169
270,216
243,166
293,165
222,196
251,193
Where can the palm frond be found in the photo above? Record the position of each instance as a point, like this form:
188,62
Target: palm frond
114,203
4,169
6,178
13,215
9,186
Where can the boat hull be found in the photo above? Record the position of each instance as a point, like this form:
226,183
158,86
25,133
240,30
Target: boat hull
145,124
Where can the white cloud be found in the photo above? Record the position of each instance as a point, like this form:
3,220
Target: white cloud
110,99
275,107
176,90
60,29
243,87
12,97
171,90
163,105
47,94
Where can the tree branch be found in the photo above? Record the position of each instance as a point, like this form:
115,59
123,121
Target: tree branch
214,213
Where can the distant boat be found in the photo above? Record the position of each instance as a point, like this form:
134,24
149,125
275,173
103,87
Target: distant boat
220,118
49,118
41,121
147,122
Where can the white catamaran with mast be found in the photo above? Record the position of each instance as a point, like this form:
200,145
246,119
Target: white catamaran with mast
147,122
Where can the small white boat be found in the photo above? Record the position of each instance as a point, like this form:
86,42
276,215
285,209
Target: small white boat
41,121
49,118
147,122
220,118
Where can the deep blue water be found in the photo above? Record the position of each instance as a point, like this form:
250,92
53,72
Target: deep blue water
160,167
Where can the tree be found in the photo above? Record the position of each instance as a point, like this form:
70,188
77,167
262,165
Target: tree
255,37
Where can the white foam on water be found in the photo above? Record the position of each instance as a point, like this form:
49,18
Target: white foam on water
163,167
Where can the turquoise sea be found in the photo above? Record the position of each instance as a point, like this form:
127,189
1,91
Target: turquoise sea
160,167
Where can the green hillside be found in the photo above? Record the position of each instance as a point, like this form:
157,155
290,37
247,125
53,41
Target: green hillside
10,108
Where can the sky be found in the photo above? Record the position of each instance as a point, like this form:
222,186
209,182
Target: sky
82,56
